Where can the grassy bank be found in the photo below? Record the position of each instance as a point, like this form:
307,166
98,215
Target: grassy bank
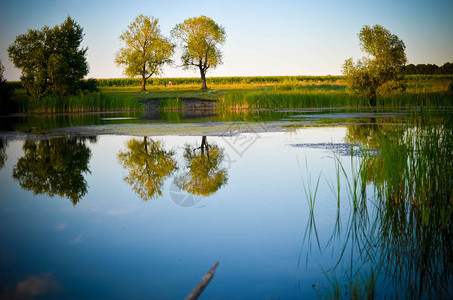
240,93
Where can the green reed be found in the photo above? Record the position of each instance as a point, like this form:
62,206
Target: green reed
84,102
414,183
171,104
409,236
290,99
327,96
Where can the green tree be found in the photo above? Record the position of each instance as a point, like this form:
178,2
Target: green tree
200,38
51,59
379,72
5,91
54,167
446,68
148,164
146,50
204,175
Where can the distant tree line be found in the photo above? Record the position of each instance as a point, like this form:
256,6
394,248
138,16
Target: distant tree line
427,69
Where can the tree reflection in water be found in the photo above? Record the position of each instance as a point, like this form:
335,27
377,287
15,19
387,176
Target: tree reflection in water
148,165
54,167
3,156
204,174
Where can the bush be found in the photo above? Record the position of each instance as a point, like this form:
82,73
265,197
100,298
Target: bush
89,85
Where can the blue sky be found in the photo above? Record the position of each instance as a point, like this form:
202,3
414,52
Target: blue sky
263,37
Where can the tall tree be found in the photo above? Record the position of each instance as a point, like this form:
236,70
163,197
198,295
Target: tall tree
146,50
148,164
200,38
51,59
379,72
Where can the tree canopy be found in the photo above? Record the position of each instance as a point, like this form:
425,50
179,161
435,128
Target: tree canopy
379,72
200,38
146,50
51,59
148,164
428,69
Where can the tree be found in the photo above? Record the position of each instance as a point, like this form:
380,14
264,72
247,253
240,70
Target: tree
146,50
51,59
447,68
204,175
5,91
200,38
148,164
379,72
54,167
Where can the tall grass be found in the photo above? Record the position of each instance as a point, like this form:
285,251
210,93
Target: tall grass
414,183
324,97
408,237
88,102
289,99
171,104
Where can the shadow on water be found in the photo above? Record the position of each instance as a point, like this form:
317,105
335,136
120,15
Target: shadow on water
397,241
55,167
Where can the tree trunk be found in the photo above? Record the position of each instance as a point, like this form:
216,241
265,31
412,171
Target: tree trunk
143,83
26,90
203,79
203,144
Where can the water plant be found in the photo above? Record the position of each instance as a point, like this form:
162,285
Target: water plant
406,235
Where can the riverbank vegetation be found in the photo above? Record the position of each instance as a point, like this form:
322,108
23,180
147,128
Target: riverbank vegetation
233,93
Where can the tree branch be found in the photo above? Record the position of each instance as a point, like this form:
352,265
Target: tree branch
203,283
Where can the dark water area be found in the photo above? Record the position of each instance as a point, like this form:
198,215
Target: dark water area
334,203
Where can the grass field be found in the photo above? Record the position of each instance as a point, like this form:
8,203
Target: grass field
241,93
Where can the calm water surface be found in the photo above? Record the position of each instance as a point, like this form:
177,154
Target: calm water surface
146,217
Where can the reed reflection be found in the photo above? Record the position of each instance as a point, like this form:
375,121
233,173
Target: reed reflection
398,238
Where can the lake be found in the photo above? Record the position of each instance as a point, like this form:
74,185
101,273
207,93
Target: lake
295,204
